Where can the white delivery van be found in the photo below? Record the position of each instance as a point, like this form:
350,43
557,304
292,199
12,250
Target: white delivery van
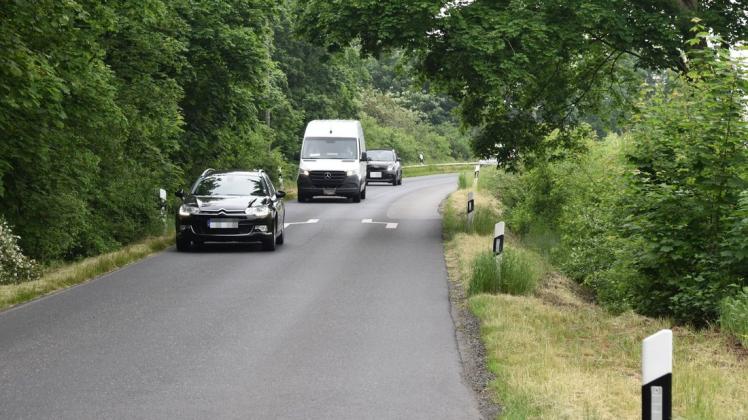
333,160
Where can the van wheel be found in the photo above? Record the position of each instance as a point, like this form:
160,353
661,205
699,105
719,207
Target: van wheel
363,194
357,198
302,197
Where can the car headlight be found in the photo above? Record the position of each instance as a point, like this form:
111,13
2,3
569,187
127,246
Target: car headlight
185,210
260,211
352,172
303,172
391,167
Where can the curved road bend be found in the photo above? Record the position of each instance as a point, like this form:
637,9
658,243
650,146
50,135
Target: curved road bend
346,320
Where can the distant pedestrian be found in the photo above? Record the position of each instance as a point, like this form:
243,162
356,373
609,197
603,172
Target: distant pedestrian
420,157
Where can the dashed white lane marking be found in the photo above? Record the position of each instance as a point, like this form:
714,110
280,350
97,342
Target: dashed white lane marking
388,225
310,221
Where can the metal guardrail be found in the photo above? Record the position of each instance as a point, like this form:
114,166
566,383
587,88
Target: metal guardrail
442,164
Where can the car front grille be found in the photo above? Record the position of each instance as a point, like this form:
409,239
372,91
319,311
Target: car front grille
200,225
327,179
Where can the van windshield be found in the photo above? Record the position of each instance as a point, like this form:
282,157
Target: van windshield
329,148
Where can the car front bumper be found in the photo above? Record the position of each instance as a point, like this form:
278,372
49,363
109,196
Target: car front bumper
250,229
387,176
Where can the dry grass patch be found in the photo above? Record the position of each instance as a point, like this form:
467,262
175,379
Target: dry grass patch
557,355
71,274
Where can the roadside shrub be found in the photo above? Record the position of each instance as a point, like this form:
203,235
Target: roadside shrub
734,316
462,180
14,266
521,271
518,273
486,276
685,189
484,220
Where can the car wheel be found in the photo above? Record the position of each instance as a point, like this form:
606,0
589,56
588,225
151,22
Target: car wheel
302,197
183,245
269,244
281,238
357,198
363,194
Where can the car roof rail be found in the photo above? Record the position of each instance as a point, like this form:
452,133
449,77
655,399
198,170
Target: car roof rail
207,172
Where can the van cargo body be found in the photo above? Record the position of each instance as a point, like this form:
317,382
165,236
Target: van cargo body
333,160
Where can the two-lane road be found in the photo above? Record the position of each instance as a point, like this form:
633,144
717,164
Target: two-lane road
346,320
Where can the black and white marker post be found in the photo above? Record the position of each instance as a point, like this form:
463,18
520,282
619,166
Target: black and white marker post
470,209
477,172
657,376
498,239
162,205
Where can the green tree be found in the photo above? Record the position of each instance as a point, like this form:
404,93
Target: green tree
522,69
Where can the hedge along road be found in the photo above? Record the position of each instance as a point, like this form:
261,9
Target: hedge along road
346,320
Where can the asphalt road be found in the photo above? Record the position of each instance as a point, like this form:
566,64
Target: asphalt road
347,320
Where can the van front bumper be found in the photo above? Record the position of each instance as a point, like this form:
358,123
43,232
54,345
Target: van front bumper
349,187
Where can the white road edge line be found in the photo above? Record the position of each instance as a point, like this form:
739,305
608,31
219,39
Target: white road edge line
310,221
388,225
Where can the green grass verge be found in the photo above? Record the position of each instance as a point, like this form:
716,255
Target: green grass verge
543,347
435,169
78,272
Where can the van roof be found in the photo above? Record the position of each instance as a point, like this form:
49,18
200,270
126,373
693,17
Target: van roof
332,128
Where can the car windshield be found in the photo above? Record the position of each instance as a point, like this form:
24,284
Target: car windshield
381,155
329,148
219,185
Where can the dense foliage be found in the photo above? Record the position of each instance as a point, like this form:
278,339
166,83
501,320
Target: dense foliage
655,221
102,104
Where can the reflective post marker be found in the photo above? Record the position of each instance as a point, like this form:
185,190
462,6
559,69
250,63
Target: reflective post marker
657,376
162,199
498,238
477,172
470,208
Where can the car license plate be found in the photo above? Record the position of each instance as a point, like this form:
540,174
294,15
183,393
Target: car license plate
328,191
375,174
223,224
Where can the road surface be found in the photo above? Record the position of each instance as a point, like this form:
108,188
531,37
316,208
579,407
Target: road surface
349,319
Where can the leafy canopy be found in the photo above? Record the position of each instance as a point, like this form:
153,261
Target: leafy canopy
521,69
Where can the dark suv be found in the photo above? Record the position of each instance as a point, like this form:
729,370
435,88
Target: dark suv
230,207
383,166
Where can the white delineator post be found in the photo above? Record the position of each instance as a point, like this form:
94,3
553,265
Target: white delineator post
162,202
470,208
477,172
657,376
498,239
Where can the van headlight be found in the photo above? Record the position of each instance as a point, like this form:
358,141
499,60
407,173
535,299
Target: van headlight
352,172
303,172
259,211
185,210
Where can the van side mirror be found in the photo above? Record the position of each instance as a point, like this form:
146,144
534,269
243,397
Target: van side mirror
180,193
280,194
364,157
399,160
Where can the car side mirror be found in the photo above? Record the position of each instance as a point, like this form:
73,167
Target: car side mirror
180,193
364,157
280,194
